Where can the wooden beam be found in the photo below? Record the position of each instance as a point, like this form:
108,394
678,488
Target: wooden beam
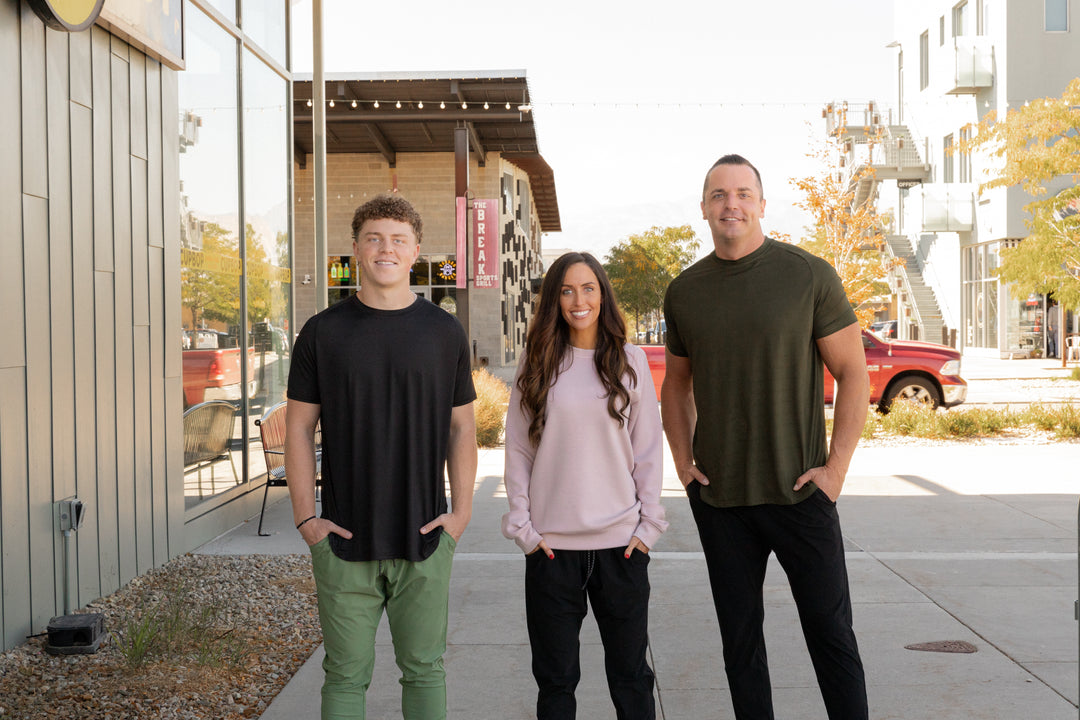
383,144
477,146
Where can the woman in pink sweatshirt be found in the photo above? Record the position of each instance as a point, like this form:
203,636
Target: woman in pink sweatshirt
583,474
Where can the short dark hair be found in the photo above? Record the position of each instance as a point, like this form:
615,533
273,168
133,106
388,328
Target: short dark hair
391,207
732,160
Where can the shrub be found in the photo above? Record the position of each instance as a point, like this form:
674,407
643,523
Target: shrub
1075,375
1069,421
910,418
492,395
1040,416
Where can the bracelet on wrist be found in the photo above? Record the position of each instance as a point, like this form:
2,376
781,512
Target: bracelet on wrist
301,523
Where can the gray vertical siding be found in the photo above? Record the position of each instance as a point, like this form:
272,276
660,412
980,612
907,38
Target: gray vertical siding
90,374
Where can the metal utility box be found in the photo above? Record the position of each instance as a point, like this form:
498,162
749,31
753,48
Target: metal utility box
75,634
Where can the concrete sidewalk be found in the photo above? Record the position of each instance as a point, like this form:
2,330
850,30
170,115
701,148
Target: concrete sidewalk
973,543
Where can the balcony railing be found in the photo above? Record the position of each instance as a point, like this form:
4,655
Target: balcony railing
869,137
948,207
973,64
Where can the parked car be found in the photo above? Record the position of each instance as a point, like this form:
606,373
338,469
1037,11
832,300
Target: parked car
211,369
885,329
918,371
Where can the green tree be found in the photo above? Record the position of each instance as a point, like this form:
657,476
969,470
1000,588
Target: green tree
259,296
210,286
1039,145
641,267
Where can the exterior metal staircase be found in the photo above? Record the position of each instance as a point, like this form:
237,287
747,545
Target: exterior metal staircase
922,296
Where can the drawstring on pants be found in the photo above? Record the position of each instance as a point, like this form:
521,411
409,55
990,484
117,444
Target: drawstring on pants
590,563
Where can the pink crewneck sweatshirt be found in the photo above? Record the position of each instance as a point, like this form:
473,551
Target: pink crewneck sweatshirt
590,484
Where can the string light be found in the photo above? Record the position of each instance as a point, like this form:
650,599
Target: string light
601,105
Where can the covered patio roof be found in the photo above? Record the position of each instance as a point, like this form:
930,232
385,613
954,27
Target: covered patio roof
387,114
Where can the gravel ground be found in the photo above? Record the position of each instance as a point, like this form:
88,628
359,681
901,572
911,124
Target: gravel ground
266,627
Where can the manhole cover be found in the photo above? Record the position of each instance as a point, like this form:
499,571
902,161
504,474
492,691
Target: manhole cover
944,646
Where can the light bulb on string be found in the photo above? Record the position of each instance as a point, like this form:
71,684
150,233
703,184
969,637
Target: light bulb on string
485,106
376,104
420,105
331,103
398,105
354,103
442,105
464,106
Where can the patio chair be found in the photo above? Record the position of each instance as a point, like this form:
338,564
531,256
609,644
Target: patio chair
1072,348
272,434
208,435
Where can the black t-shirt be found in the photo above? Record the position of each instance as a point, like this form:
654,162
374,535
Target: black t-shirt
387,382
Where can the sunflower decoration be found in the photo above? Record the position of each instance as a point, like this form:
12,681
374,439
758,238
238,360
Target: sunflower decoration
447,270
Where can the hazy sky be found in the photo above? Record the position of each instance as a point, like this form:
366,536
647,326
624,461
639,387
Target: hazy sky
632,106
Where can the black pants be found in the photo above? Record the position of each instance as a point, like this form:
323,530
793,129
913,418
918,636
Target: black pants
555,605
807,541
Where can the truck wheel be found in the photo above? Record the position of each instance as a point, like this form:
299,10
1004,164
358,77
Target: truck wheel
911,388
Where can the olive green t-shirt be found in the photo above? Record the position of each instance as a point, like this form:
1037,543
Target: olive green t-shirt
749,328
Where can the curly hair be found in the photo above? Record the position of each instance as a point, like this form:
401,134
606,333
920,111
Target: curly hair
392,207
548,343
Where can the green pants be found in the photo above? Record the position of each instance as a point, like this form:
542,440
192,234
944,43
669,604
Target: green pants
352,596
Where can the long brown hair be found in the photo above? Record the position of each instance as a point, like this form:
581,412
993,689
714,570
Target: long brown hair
548,343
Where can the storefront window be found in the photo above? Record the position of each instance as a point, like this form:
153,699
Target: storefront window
980,295
210,246
342,278
225,7
236,296
268,260
264,22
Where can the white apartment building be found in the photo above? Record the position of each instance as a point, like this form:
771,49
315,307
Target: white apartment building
955,62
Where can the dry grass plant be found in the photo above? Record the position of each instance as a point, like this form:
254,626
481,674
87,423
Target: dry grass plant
492,396
908,419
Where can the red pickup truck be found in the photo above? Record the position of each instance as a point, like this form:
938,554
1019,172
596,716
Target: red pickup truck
212,371
919,371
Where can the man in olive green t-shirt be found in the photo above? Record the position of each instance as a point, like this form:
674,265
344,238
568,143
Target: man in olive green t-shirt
749,327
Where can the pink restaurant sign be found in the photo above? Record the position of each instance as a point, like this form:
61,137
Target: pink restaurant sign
485,243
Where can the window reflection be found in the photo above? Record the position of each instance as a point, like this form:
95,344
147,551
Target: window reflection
225,7
264,22
268,261
210,248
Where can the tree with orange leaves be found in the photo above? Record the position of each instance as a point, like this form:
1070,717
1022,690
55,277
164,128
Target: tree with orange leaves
846,233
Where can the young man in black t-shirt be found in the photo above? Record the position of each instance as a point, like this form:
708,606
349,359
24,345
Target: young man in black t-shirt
387,373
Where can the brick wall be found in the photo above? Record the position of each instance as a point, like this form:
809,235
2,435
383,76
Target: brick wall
496,317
